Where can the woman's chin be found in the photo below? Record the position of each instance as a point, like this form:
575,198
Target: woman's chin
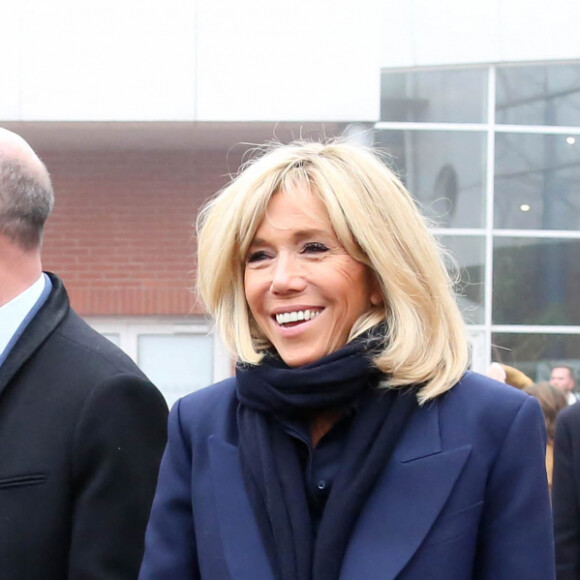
297,359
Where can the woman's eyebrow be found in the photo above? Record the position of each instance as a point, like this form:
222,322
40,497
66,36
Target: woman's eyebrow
297,236
311,232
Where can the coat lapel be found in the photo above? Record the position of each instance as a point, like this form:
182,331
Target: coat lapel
405,502
40,327
244,551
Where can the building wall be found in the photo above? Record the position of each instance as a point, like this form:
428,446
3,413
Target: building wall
427,33
107,60
210,60
122,233
203,60
301,60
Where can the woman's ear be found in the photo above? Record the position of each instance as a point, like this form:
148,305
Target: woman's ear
376,298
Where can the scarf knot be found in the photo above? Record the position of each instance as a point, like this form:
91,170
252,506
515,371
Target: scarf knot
332,381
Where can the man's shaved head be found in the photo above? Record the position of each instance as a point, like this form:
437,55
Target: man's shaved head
26,196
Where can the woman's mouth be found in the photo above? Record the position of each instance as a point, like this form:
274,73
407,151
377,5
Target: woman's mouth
296,317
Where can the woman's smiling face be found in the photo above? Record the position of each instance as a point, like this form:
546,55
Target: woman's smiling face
303,289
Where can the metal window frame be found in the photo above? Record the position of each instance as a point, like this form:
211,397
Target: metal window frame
481,334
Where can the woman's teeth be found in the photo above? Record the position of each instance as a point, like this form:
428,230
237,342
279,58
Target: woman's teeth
296,316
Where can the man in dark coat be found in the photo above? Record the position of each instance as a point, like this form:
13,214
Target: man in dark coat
82,430
566,493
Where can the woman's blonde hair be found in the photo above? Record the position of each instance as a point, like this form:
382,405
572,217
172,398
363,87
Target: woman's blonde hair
377,222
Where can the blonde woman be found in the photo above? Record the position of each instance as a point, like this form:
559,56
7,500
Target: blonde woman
352,443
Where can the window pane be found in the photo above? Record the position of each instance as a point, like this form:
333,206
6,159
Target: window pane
536,281
535,354
443,170
537,182
444,96
176,364
538,95
469,255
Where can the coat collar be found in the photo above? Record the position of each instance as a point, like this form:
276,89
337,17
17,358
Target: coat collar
38,330
398,515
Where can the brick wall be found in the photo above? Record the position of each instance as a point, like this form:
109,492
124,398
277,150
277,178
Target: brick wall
122,232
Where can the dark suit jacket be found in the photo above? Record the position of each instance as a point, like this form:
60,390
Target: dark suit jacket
566,493
464,495
82,431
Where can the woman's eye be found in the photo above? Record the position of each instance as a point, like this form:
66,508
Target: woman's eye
256,256
314,248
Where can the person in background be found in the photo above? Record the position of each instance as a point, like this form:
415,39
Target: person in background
497,372
566,493
562,377
552,402
509,375
352,442
82,430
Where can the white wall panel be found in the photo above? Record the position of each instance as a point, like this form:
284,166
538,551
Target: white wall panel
442,32
427,33
539,30
254,60
397,34
10,17
288,60
107,60
449,31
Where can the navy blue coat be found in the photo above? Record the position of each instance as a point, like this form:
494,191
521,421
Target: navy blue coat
464,495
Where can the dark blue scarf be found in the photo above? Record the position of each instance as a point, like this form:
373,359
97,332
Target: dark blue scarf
270,464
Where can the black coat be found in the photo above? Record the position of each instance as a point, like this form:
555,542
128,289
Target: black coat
82,431
566,493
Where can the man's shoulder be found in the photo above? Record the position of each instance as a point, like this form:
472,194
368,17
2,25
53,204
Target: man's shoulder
59,334
568,426
90,349
570,414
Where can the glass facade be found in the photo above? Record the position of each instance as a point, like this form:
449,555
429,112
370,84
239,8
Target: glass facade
444,172
492,156
544,94
467,258
435,96
535,281
540,174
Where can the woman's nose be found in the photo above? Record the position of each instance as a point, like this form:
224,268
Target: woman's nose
287,276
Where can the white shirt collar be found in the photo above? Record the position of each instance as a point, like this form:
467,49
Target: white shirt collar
14,312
